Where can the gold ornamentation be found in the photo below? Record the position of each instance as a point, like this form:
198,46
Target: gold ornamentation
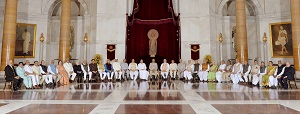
195,49
97,58
86,38
111,49
42,39
265,39
220,38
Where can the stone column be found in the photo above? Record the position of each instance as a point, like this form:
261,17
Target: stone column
241,31
9,32
295,11
65,22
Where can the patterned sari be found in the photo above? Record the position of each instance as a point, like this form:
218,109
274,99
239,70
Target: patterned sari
270,72
212,73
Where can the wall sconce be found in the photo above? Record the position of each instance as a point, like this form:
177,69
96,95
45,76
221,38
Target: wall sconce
42,39
265,39
85,39
220,38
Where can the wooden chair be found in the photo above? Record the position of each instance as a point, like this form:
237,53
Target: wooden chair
295,83
11,84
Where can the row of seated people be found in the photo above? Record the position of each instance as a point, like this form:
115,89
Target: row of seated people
260,75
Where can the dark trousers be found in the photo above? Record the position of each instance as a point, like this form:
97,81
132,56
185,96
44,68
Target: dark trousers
95,75
17,82
80,77
283,81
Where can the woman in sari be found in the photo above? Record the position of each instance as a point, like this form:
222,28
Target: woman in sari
270,73
64,80
212,72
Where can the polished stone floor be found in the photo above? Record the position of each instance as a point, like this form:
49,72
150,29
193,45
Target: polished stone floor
129,97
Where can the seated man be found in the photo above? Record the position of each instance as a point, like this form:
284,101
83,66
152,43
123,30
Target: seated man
279,72
101,70
21,73
37,71
109,70
255,73
180,69
203,70
86,71
11,75
288,74
94,70
173,69
44,72
117,68
133,70
29,72
245,72
69,68
153,68
236,71
196,68
54,72
228,70
164,67
125,70
262,72
78,71
143,71
220,71
188,71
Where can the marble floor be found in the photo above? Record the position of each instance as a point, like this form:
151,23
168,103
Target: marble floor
161,97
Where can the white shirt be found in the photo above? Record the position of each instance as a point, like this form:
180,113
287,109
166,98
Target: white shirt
222,67
124,66
173,66
83,70
249,69
116,66
28,69
42,71
68,67
168,67
142,66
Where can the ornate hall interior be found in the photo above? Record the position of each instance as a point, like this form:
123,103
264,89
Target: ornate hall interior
206,31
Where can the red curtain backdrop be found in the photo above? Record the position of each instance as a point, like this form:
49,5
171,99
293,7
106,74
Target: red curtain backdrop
111,49
153,14
195,51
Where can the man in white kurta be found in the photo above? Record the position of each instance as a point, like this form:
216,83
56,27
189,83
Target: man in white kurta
180,68
173,69
117,68
262,72
245,72
125,70
236,72
255,73
164,67
69,68
26,42
37,71
143,70
29,72
153,68
86,70
133,70
203,70
220,71
188,71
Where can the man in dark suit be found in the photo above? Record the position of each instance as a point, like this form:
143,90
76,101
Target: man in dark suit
11,75
288,74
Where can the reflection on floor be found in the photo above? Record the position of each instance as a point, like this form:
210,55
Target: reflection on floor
160,97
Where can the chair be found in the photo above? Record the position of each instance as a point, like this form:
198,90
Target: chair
11,84
289,83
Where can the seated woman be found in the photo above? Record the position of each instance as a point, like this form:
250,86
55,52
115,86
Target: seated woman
64,80
269,73
21,73
212,72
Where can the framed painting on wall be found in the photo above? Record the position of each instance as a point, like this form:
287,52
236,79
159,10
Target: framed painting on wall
281,40
25,41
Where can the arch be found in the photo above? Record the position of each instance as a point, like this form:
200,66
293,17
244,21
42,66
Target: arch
50,4
257,6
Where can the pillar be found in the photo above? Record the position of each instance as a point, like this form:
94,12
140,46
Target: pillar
241,31
295,12
65,22
9,32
